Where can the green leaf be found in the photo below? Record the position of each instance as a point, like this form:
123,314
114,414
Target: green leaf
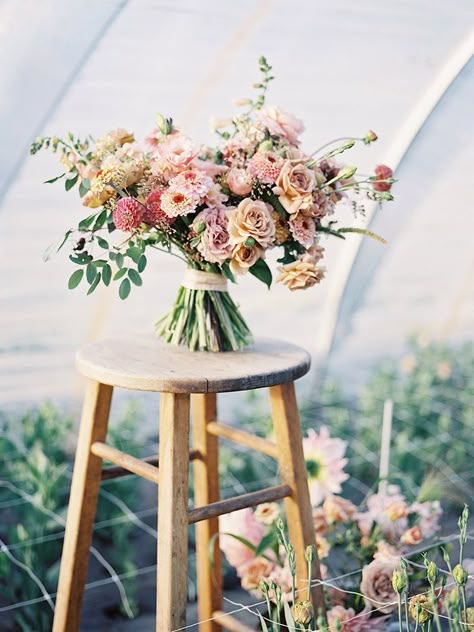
272,199
94,284
262,272
84,187
106,274
119,259
141,265
134,253
124,289
329,231
267,542
81,258
75,279
227,272
54,179
135,277
91,273
99,263
56,248
100,221
262,622
120,273
70,182
85,223
103,243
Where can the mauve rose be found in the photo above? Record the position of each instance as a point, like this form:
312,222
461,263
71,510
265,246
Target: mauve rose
337,616
376,585
243,257
252,218
214,245
239,181
294,187
281,123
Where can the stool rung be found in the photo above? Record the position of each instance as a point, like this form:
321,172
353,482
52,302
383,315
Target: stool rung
239,502
115,471
240,436
125,461
230,622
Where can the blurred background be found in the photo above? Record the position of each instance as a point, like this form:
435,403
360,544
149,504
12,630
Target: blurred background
391,321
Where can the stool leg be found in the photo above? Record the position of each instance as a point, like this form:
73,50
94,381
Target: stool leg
287,429
172,547
206,490
82,507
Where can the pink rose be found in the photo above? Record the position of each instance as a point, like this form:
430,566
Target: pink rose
252,218
243,257
376,585
338,509
214,245
281,123
239,181
243,524
337,617
176,154
294,186
253,571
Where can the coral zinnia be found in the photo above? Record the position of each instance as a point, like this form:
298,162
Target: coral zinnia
382,172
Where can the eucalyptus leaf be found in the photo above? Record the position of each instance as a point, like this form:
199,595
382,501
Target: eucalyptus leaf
124,289
91,273
95,283
135,277
106,274
75,279
103,243
141,265
120,273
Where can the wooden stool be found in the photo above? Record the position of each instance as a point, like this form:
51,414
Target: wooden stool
145,363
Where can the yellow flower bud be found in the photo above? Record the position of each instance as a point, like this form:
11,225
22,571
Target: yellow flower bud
303,612
419,608
460,575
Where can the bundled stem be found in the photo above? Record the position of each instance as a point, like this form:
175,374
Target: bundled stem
204,320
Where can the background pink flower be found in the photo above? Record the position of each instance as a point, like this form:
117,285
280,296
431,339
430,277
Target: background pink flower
325,463
243,524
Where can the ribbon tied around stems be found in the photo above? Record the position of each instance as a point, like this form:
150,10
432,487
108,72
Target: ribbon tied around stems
199,280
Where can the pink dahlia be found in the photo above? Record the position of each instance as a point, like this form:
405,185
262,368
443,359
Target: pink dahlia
153,212
325,464
128,214
265,166
195,184
382,172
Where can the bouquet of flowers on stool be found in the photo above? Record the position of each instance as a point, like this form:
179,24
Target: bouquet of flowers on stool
219,208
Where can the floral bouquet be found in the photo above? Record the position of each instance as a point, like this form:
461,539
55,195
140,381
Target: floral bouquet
361,546
219,209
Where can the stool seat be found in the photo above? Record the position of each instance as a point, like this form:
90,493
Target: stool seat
144,362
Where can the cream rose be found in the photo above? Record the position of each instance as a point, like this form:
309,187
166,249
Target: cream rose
300,274
252,218
376,585
281,123
294,187
243,258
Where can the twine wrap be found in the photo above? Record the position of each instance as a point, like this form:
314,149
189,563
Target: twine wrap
199,280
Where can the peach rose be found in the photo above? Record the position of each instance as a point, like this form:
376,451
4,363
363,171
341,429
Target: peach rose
294,187
320,522
243,258
281,123
239,181
252,218
300,274
338,509
337,616
376,585
412,536
386,551
253,571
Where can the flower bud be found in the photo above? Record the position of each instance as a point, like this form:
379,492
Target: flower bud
370,137
200,227
419,609
460,575
399,581
469,615
249,242
265,145
240,102
303,612
346,172
309,553
431,572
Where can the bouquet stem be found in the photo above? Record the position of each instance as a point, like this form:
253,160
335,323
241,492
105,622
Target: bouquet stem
204,320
